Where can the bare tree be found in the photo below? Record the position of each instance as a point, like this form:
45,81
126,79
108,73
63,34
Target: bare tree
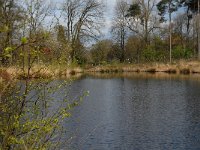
180,27
83,19
36,13
119,27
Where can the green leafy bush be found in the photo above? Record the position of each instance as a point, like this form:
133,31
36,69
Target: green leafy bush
178,53
151,53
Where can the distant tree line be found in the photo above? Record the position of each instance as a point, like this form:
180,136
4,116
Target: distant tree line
150,30
39,31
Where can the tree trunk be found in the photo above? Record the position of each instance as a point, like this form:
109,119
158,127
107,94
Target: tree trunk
146,31
122,44
198,19
170,33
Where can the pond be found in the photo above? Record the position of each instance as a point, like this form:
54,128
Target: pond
135,112
139,111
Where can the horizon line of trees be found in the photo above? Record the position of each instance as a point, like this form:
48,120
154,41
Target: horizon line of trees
150,30
38,31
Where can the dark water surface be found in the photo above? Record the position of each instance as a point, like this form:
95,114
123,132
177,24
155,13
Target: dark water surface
135,114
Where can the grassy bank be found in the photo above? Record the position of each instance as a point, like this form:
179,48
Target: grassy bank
43,72
180,67
10,74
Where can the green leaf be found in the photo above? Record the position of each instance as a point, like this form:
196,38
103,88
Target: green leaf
46,35
24,40
8,55
21,54
8,49
4,28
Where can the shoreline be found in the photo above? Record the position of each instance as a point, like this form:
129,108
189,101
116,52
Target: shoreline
42,72
192,67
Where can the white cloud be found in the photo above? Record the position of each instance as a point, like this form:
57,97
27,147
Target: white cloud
110,4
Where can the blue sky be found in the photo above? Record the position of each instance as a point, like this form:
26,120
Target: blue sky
110,4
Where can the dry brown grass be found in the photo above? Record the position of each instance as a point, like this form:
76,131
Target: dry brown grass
41,71
37,71
182,67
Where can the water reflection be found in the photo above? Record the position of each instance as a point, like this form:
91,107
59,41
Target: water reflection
135,113
145,75
123,111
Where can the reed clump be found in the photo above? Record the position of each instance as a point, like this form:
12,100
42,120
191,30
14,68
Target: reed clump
179,67
151,70
171,71
185,71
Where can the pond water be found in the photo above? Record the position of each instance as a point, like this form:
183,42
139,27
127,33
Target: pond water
125,113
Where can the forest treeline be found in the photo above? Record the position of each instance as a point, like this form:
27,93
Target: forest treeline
40,31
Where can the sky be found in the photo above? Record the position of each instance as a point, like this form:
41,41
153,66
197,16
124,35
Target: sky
109,14
110,4
109,11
